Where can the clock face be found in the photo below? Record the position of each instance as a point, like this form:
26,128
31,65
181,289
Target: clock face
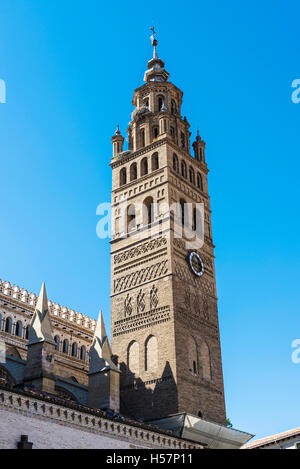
195,263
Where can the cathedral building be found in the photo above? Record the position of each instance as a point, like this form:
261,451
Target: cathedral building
159,384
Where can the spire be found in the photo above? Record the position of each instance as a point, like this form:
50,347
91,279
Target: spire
100,352
40,328
156,71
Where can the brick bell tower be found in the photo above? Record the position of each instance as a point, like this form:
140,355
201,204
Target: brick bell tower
164,317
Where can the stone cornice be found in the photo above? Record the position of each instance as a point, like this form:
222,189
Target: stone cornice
87,419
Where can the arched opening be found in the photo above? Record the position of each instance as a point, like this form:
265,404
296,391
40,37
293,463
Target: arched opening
74,349
155,131
144,166
199,182
192,175
200,414
133,360
142,138
19,329
182,139
123,176
160,101
131,218
148,209
133,172
154,161
8,325
173,107
151,354
26,332
183,169
175,163
192,355
205,361
83,353
57,342
182,209
66,346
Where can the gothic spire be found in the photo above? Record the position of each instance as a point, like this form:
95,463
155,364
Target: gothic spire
40,328
100,352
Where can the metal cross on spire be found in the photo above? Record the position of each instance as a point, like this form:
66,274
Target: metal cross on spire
154,41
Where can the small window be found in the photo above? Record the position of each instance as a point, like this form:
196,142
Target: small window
155,131
155,164
173,107
74,349
194,367
66,346
172,132
57,342
192,175
131,222
182,139
133,172
199,182
183,169
160,102
123,176
144,166
83,353
8,325
175,163
19,329
142,138
200,414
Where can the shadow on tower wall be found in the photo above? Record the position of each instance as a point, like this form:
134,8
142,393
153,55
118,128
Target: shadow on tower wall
154,398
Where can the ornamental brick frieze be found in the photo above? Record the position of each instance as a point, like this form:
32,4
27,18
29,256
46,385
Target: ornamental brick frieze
141,276
141,321
140,250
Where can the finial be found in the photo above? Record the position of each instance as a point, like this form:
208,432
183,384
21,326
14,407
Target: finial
198,135
154,41
117,132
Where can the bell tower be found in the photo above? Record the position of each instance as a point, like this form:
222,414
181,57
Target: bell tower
164,317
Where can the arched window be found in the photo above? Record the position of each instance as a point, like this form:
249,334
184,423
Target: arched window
26,332
182,207
154,161
142,138
160,101
66,346
151,354
199,182
123,176
175,163
183,169
192,355
205,361
148,215
131,220
8,325
133,359
133,172
182,139
192,175
83,353
19,329
173,107
144,166
57,342
74,349
155,131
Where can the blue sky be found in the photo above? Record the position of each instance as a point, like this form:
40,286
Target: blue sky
70,69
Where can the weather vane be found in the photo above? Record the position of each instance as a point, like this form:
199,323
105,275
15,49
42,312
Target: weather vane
154,41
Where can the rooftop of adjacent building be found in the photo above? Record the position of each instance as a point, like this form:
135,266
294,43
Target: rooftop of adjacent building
273,439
